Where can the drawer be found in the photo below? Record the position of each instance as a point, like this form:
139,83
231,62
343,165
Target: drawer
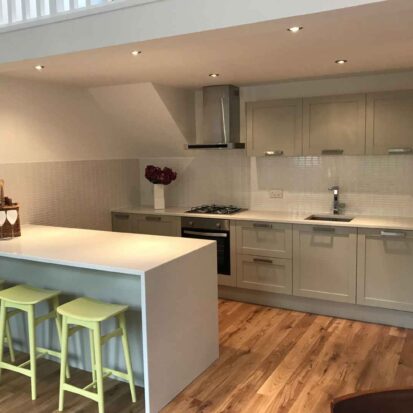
264,274
266,239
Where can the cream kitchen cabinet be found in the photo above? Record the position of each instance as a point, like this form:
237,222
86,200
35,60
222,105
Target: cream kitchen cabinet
325,262
334,125
264,274
265,239
275,127
385,269
147,224
390,122
124,222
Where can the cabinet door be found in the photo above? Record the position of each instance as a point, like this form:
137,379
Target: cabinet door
325,262
264,274
390,122
275,127
385,269
335,125
123,222
159,225
265,239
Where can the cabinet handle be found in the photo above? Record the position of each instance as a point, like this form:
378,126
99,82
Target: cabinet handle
332,152
263,260
261,225
399,151
393,234
324,229
274,153
122,216
149,218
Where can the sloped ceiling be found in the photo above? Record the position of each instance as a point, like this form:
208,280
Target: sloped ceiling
154,120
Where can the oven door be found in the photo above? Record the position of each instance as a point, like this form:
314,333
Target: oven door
223,245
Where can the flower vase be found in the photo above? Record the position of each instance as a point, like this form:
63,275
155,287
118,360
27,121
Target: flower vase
159,196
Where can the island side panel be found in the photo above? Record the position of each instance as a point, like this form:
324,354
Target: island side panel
74,282
180,324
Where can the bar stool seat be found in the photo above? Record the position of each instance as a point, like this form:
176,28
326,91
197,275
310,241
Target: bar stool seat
24,298
87,309
89,313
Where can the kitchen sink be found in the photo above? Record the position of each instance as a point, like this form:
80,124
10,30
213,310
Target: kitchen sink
331,218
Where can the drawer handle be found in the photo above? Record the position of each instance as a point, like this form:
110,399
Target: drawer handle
260,225
262,260
324,229
274,153
332,152
399,151
157,219
122,216
393,234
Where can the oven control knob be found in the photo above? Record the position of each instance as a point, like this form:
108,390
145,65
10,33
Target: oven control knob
190,223
218,225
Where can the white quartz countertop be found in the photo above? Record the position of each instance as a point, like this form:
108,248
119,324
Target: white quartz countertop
361,221
99,250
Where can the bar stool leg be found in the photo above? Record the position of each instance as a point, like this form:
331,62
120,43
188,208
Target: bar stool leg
63,363
98,365
2,330
58,320
10,342
92,356
125,344
32,349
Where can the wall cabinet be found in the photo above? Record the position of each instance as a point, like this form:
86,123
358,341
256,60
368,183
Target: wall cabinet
264,239
264,274
334,125
385,269
274,127
147,224
325,262
390,122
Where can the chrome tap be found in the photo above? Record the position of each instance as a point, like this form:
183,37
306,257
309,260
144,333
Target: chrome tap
337,205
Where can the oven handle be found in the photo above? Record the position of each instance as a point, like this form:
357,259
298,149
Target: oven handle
207,234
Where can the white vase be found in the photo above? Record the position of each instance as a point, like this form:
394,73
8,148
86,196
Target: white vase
159,196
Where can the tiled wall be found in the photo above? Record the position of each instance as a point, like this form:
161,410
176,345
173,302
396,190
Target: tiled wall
72,194
373,185
370,185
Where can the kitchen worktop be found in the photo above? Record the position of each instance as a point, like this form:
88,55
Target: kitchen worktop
98,250
360,221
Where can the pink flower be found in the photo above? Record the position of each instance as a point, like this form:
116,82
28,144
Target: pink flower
157,175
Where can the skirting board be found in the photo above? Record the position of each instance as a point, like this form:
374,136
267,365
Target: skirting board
330,308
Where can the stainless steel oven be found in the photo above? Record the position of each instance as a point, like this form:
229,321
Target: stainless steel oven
215,230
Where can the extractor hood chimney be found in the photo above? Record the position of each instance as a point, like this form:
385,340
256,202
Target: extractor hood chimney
221,119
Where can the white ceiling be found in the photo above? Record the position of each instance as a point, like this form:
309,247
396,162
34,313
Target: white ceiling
374,38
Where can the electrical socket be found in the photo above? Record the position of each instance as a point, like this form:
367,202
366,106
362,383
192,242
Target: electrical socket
276,193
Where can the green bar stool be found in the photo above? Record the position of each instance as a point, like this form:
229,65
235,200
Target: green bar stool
8,338
23,298
89,313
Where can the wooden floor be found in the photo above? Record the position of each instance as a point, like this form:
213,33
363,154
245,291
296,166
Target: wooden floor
271,360
278,361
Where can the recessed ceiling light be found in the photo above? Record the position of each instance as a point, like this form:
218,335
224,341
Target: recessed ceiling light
341,61
136,52
295,29
214,75
39,67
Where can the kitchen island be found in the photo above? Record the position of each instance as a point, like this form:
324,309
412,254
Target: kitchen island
169,284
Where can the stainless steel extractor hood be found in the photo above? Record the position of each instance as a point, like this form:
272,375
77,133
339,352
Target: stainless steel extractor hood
221,119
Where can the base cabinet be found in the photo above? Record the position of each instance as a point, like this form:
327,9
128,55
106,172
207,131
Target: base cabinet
264,274
385,269
146,224
325,262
